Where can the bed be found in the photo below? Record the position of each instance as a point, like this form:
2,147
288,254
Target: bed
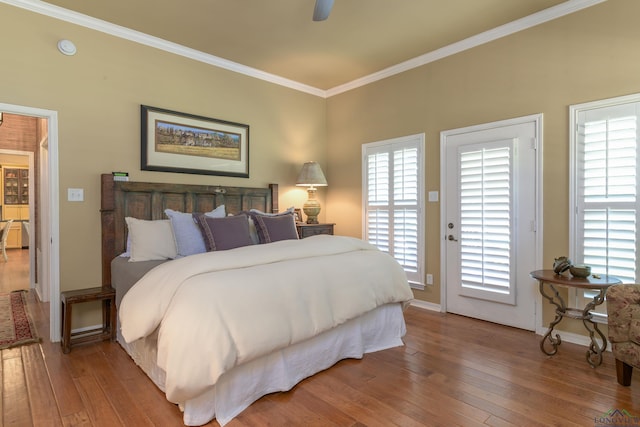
217,330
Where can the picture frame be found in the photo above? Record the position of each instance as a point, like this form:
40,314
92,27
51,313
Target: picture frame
186,143
298,213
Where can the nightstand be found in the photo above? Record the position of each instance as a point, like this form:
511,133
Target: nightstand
306,230
108,330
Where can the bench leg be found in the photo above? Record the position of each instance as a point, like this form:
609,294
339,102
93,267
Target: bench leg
109,317
66,328
114,319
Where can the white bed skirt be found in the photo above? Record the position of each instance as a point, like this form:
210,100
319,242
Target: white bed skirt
376,330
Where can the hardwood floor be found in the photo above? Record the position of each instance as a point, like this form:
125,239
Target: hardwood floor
452,371
14,273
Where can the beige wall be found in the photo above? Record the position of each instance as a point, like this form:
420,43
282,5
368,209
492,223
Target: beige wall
97,94
589,55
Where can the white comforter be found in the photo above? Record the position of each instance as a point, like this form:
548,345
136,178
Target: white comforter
220,309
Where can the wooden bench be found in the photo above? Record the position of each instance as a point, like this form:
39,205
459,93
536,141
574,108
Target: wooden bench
108,330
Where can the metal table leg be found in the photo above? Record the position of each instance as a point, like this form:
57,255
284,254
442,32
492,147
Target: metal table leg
594,354
561,309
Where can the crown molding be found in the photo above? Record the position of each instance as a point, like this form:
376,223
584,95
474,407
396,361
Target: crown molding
538,18
158,43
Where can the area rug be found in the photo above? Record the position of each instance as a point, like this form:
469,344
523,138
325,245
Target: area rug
16,326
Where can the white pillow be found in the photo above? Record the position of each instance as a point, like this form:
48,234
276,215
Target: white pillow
189,239
151,240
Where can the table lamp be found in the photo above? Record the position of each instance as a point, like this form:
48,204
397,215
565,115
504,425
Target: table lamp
311,176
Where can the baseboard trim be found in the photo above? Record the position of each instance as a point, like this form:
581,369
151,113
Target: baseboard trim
425,305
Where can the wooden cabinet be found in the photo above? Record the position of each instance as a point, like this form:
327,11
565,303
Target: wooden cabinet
15,198
15,186
18,212
307,230
14,238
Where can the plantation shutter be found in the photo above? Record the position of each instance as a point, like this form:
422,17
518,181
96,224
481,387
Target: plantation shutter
405,212
486,200
378,209
393,201
606,192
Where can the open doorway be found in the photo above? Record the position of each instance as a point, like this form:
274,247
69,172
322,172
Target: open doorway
17,204
41,215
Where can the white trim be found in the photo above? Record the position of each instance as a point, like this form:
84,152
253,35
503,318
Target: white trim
425,305
54,218
42,267
419,141
158,43
575,295
538,120
513,27
571,337
54,212
416,285
574,110
518,25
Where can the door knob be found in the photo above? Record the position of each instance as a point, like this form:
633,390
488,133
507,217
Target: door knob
451,238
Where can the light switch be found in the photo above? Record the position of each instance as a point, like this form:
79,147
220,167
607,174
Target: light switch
433,196
75,194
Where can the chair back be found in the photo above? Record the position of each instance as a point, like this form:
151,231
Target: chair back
4,233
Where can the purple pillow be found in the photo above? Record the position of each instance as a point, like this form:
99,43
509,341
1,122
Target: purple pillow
272,228
224,233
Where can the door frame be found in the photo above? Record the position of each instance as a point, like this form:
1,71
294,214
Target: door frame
50,251
537,120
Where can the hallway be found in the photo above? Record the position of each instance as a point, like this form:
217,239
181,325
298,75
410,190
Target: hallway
14,274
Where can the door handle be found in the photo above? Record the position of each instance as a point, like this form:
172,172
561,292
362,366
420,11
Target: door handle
451,238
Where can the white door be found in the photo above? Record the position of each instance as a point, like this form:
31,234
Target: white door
489,221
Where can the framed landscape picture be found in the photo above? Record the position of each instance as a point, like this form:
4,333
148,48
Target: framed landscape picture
186,143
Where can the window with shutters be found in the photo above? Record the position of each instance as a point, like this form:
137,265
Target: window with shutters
604,148
393,196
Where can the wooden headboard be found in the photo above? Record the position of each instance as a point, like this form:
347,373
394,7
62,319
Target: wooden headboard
148,200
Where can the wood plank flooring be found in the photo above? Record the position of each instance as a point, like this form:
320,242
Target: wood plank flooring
452,371
14,274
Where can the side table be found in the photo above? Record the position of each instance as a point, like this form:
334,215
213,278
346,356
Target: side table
307,230
108,330
600,283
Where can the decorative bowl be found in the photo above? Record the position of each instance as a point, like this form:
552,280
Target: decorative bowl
561,264
580,271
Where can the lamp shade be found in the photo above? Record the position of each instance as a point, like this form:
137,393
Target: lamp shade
311,176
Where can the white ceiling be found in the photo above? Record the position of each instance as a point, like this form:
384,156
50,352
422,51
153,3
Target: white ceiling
361,38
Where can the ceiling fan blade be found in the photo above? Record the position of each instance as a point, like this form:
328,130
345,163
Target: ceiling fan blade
322,9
